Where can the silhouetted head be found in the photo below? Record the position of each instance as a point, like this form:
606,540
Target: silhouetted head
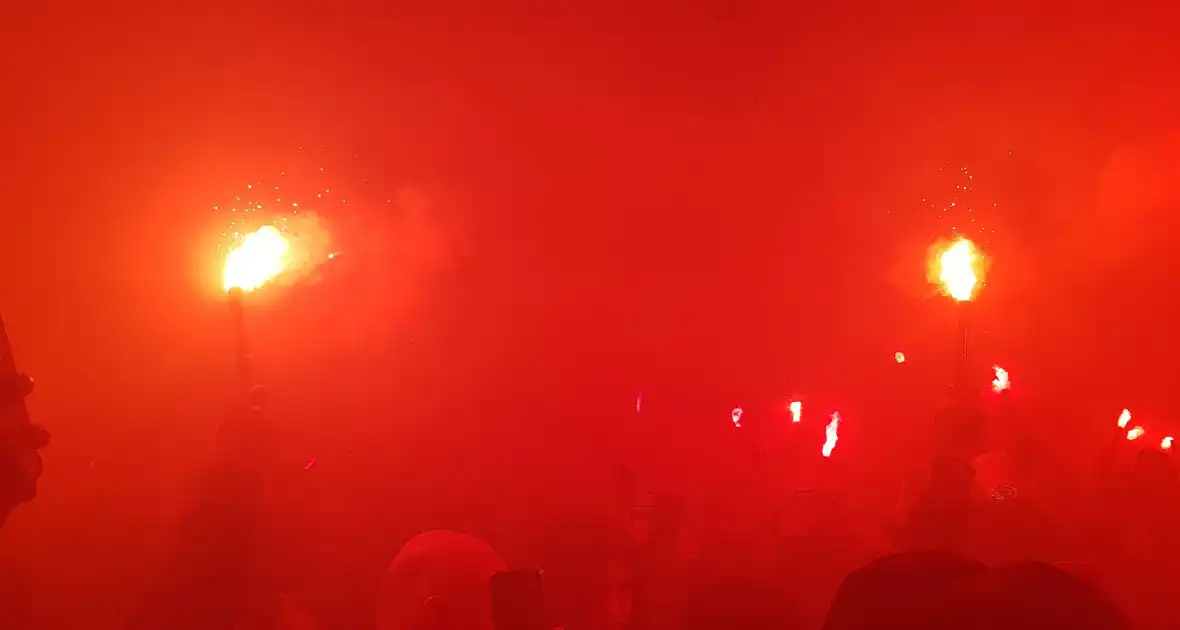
439,581
1029,596
898,591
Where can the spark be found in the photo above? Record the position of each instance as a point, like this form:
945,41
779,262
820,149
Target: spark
959,209
796,408
309,464
831,434
736,416
1124,418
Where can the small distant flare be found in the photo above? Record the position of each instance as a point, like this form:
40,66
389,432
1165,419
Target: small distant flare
1000,383
736,416
1166,443
1136,433
796,409
1124,418
831,434
899,357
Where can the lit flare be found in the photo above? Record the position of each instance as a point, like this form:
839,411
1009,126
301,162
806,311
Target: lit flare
796,409
899,357
1166,443
257,260
1000,383
832,434
1136,433
1124,418
959,269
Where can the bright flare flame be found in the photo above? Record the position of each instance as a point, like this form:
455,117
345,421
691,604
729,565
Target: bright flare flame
796,409
1136,433
1000,383
832,434
899,357
258,259
958,269
736,416
1166,443
1124,418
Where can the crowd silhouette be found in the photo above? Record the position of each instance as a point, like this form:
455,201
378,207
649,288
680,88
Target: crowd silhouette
960,558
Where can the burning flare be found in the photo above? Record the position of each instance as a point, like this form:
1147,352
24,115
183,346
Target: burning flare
1000,383
796,409
959,268
1124,418
736,416
899,357
1136,433
1166,443
258,259
832,433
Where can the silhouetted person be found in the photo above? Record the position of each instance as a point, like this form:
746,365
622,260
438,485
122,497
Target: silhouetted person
940,519
20,445
209,582
589,574
660,578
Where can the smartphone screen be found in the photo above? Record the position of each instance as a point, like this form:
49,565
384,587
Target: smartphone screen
518,600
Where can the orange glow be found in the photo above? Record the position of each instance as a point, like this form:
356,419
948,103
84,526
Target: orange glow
1000,383
796,409
959,267
1136,433
1166,443
831,434
258,259
1124,418
899,357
